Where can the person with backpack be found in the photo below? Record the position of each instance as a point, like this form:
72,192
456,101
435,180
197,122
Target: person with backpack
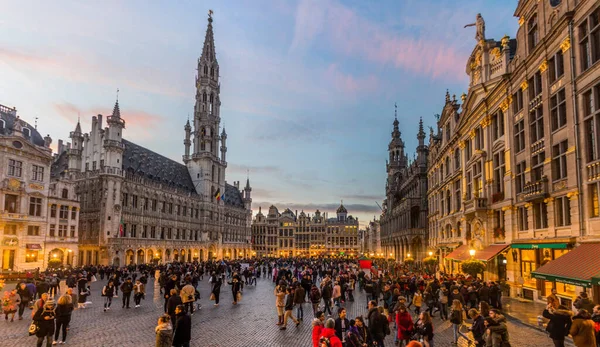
44,319
315,299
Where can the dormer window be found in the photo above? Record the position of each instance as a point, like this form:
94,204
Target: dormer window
26,133
532,32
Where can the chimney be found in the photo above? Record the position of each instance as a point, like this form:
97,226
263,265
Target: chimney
60,146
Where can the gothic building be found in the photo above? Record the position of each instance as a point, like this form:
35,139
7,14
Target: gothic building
138,206
292,234
403,224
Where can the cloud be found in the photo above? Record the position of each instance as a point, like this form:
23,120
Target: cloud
345,32
363,197
349,83
257,169
353,209
93,70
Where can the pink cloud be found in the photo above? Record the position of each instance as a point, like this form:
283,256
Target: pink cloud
352,35
349,83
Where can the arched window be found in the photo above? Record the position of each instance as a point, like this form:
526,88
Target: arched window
204,98
65,193
206,70
203,145
447,166
458,233
212,72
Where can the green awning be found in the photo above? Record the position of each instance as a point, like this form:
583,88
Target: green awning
566,280
539,245
596,280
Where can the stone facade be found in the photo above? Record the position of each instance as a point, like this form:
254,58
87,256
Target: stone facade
371,239
404,220
138,206
517,162
292,234
39,212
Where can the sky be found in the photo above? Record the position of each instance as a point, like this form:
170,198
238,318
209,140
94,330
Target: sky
308,87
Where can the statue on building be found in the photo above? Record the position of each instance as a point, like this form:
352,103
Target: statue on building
480,26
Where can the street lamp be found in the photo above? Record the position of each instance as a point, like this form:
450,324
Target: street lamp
430,253
408,255
472,252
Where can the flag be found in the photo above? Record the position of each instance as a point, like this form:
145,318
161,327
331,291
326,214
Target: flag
121,228
218,194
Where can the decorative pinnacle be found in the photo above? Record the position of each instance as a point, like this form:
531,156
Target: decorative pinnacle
395,110
210,13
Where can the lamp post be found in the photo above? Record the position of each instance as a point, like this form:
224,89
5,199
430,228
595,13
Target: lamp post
430,253
472,253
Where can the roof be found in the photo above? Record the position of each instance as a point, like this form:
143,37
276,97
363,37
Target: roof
232,196
576,267
461,253
142,161
60,164
341,209
490,252
9,116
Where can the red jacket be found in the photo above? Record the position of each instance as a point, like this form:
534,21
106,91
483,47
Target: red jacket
404,323
334,341
316,334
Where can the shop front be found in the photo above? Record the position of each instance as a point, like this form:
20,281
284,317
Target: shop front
569,272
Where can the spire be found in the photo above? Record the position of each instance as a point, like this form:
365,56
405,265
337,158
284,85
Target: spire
187,125
396,133
116,111
223,133
78,127
247,184
421,134
208,51
447,96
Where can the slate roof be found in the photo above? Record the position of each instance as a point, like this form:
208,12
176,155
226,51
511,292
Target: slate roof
232,196
142,161
59,165
9,119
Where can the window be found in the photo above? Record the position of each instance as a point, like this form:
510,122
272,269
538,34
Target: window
144,231
171,208
520,177
125,199
134,201
457,196
556,66
536,128
38,173
72,231
518,101
26,133
94,165
65,193
457,159
558,110
591,115
540,215
559,160
593,199
468,150
152,232
133,230
499,170
537,166
52,231
447,166
73,213
87,166
145,206
497,125
11,203
53,211
154,205
520,136
64,212
62,230
532,33
478,179
448,132
15,167
535,86
478,138
35,207
563,211
33,230
178,208
31,256
589,42
10,229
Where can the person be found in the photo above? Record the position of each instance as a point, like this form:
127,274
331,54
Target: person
44,318
82,297
315,299
63,312
342,324
216,287
560,323
478,328
279,293
417,301
126,289
337,293
596,320
443,303
496,331
375,327
139,291
582,329
299,295
359,335
174,301
164,331
484,309
329,334
425,328
39,304
235,287
108,293
583,302
456,318
317,327
405,325
25,296
188,296
183,328
10,304
289,309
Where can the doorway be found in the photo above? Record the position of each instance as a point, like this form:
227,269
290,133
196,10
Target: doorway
8,259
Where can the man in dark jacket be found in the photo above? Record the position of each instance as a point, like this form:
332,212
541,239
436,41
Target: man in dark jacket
583,302
174,301
126,289
342,324
375,326
484,293
478,328
559,325
299,301
183,328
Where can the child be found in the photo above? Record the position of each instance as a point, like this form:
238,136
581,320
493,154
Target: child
83,297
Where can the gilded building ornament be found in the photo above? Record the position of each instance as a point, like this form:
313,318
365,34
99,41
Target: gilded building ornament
548,161
528,205
524,85
462,144
506,103
496,52
548,200
472,133
485,122
571,149
521,21
573,195
566,44
506,208
505,41
463,97
544,66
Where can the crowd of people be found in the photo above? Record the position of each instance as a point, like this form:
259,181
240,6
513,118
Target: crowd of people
401,301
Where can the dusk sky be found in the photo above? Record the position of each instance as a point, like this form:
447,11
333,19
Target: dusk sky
307,87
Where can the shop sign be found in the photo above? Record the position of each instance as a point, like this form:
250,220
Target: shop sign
566,280
539,245
10,241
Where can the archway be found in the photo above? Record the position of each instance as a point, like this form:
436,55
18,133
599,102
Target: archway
117,261
158,256
149,256
129,254
168,255
212,252
417,248
141,256
201,254
56,258
175,255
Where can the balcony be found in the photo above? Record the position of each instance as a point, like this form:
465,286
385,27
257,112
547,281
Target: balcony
593,171
12,216
537,146
536,102
114,143
72,151
535,190
475,204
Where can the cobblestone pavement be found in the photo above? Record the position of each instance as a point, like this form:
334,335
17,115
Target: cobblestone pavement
249,324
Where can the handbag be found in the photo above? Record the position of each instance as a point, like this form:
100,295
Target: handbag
212,297
33,328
